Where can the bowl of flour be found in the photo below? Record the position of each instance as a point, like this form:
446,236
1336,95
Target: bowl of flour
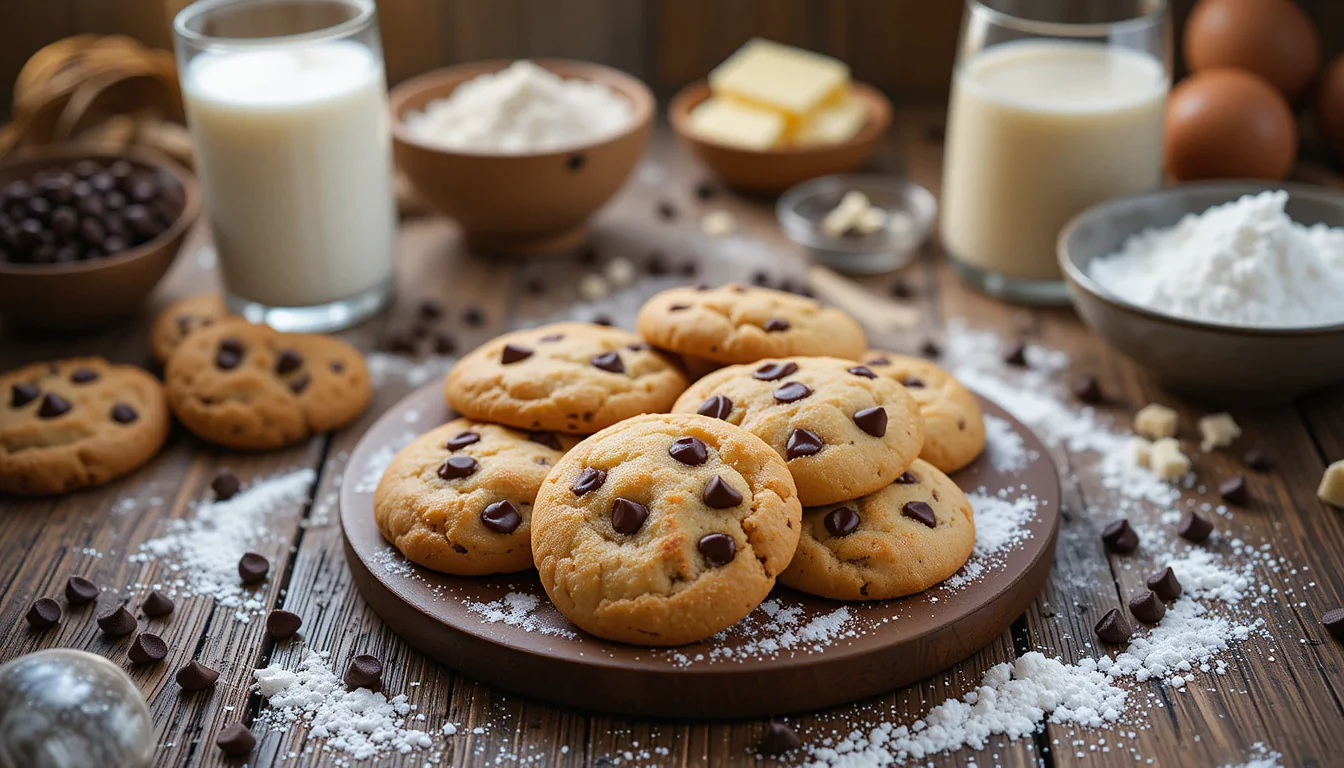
1224,289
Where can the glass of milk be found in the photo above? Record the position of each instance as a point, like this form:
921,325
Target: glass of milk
287,105
1055,106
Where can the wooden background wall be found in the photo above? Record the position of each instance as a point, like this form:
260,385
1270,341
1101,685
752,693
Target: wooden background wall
903,46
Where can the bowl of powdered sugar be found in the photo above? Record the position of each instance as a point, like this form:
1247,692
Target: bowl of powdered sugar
1224,289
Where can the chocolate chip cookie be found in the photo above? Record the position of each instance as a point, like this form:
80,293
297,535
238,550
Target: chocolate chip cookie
249,386
739,324
954,428
182,318
844,431
664,529
75,423
903,539
568,377
458,499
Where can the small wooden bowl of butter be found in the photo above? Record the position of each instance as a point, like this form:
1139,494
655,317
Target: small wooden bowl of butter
772,116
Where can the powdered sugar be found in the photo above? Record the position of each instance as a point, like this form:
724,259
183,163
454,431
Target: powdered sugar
1187,638
1202,574
1004,447
777,629
518,609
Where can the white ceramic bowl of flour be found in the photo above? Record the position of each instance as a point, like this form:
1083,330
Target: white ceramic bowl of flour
1235,303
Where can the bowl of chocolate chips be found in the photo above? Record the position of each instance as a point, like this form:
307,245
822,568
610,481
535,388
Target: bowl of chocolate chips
85,236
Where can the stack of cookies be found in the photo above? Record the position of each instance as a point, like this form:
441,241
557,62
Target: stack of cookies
660,510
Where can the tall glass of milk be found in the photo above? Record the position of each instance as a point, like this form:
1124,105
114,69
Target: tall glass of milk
1055,106
287,106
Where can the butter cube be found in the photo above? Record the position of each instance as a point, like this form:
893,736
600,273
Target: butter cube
1331,490
1141,450
832,125
854,212
780,77
1166,460
737,125
1217,430
1154,421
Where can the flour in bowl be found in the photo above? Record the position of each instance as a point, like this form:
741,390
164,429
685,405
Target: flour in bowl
1244,263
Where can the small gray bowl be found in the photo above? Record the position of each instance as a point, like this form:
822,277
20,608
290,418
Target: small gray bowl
1224,362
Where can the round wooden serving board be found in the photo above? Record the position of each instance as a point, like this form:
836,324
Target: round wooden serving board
794,653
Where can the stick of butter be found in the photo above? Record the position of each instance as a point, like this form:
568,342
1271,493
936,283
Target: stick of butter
737,125
781,78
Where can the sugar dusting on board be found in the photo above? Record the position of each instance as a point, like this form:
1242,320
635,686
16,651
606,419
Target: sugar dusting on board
519,609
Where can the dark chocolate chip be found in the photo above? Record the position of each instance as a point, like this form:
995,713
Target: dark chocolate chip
609,361
656,264
147,649
124,414
720,495
775,324
299,384
841,521
792,392
79,591
337,366
880,361
689,451
457,467
252,567
502,517
901,289
513,353
53,405
23,394
547,439
430,309
779,738
604,320
401,343
864,371
1234,491
282,625
590,479
1333,621
930,348
1165,585
666,211
1113,628
907,478
225,485
575,162
1147,607
638,346
1120,537
704,190
461,440
1016,354
920,511
802,443
157,605
365,671
1194,527
288,361
45,613
628,516
117,622
716,407
235,740
83,375
226,360
534,286
719,549
445,344
473,316
775,371
1259,458
912,382
1087,389
195,676
678,307
872,420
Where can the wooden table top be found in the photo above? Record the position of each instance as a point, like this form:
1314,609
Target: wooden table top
1282,692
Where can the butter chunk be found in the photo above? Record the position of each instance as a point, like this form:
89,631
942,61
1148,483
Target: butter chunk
1331,489
1166,460
780,77
854,212
1217,430
1142,451
736,125
832,125
1154,421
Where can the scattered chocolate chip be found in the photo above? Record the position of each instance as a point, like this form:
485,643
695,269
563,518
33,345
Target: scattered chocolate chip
1165,585
1234,491
117,622
298,385
23,394
547,439
930,348
760,279
590,479
253,568
864,371
1113,628
534,286
195,676
401,343
666,211
513,353
229,355
45,613
900,289
80,591
841,521
1087,389
716,407
907,478
1120,537
792,392
704,190
83,375
920,512
719,549
628,516
53,405
288,361
461,440
147,649
456,467
445,345
1259,458
609,361
1333,621
776,324
656,264
1016,355
912,382
1194,527
473,316
720,495
802,443
775,371
235,740
587,255
1147,607
575,162
502,517
604,320
157,605
430,309
365,671
689,451
124,414
225,485
779,738
282,625
872,420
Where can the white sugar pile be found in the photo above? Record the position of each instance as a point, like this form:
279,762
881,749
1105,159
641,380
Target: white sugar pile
358,724
518,609
1004,446
1202,575
1188,638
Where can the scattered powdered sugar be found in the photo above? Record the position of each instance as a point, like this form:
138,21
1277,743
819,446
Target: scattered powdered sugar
1261,757
517,609
384,367
1004,446
377,462
1188,638
1202,575
776,629
1001,524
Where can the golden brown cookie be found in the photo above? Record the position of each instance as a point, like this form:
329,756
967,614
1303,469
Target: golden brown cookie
844,431
739,324
954,428
75,423
459,498
249,386
664,529
183,318
903,539
575,378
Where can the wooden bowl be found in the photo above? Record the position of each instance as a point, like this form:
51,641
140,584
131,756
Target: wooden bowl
87,293
520,203
775,170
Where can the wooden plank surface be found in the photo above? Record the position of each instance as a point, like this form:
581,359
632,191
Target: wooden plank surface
1292,703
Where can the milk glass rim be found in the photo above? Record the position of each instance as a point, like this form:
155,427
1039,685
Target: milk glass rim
1154,17
363,19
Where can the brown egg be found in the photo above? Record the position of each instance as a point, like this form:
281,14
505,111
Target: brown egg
1272,38
1225,124
1330,108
